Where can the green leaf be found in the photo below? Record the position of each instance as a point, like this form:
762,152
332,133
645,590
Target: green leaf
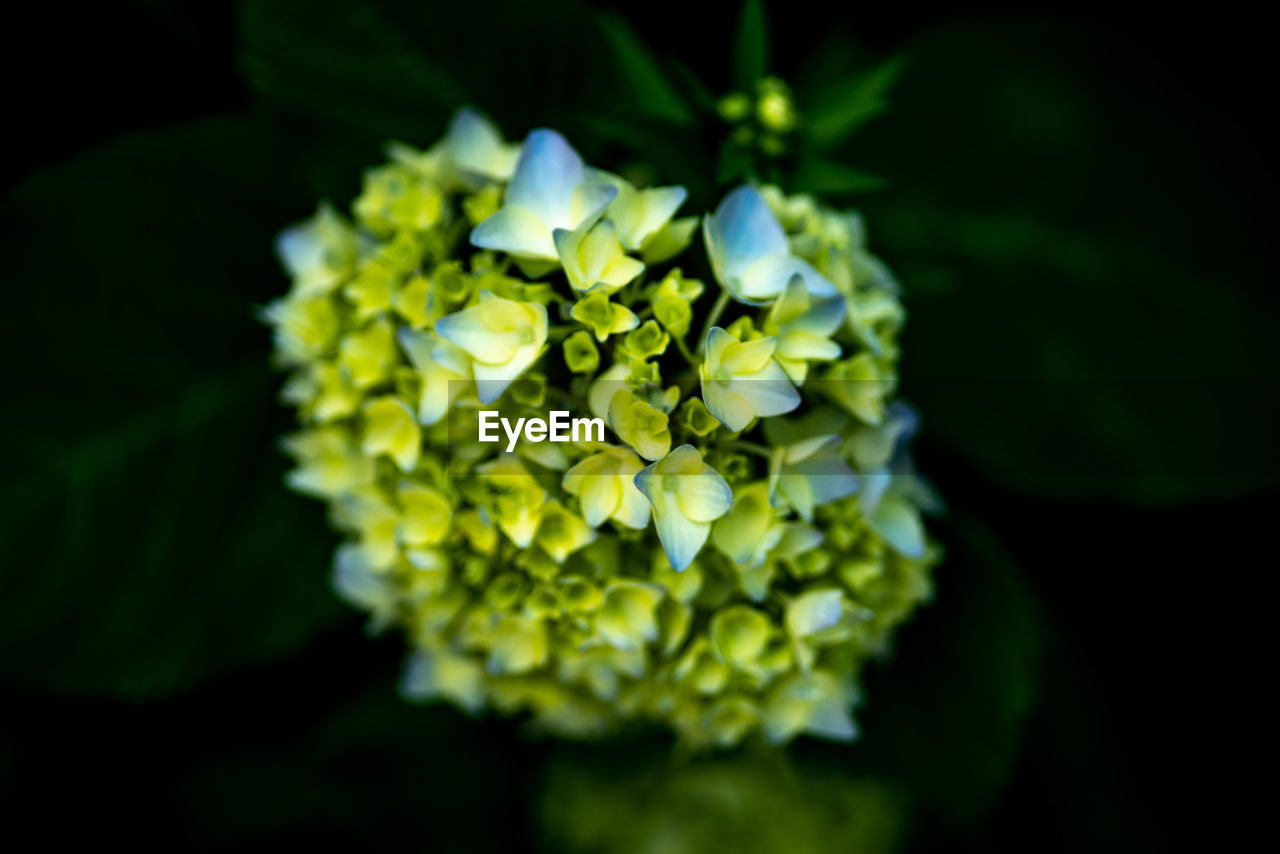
816,174
944,715
362,767
697,91
351,63
398,68
617,799
654,94
1088,320
149,542
751,46
672,154
841,109
734,164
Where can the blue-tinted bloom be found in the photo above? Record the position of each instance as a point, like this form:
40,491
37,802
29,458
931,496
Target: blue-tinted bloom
803,325
749,251
741,381
811,473
887,501
687,496
549,190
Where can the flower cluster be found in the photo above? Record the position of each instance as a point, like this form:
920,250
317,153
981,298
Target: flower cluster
747,535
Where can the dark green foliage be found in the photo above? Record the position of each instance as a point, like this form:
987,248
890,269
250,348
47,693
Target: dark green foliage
1085,255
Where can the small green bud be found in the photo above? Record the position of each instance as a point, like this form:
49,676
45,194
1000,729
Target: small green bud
450,283
695,416
580,353
647,341
734,107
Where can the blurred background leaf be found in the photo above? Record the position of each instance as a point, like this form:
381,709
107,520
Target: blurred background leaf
751,46
1087,275
841,103
946,714
747,802
652,92
149,543
356,63
1084,239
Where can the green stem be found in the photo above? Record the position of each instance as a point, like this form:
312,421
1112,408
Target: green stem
750,448
557,333
722,302
687,380
684,351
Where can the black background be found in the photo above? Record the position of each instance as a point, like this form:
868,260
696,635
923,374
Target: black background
1140,575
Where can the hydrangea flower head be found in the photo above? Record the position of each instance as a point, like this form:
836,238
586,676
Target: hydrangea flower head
741,533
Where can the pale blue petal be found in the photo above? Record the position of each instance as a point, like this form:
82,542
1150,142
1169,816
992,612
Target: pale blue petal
831,720
875,484
492,381
769,392
823,317
547,173
715,250
812,612
645,481
898,524
748,228
681,538
731,409
817,284
300,249
797,540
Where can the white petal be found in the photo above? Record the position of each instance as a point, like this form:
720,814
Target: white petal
517,230
467,329
656,207
798,492
599,497
586,204
633,508
703,497
802,344
474,145
814,611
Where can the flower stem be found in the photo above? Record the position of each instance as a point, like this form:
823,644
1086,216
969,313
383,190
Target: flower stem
750,448
722,302
684,351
